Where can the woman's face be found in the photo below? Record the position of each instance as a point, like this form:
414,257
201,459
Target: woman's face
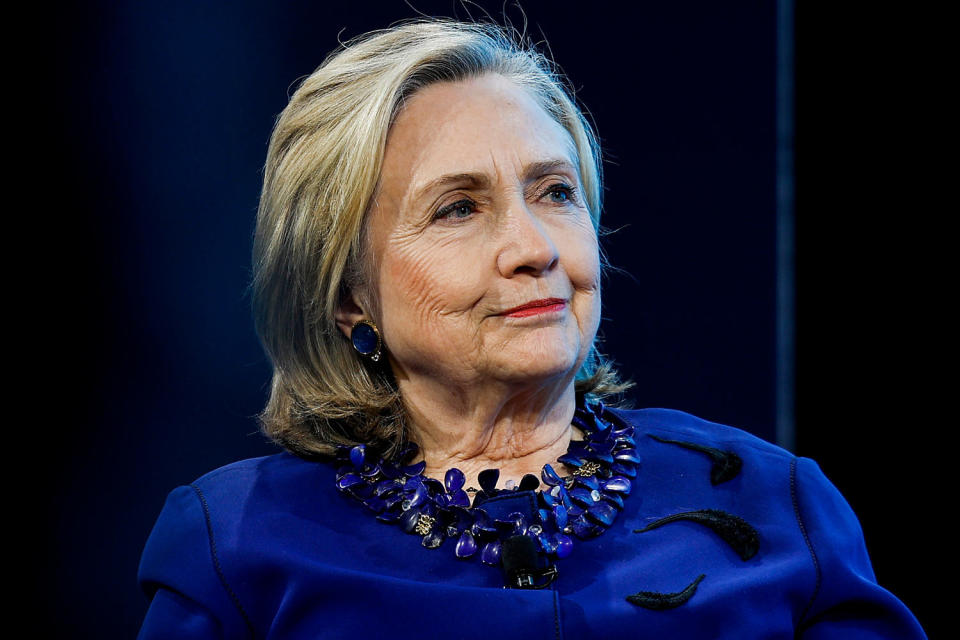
485,259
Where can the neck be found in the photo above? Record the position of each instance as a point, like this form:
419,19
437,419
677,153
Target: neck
516,433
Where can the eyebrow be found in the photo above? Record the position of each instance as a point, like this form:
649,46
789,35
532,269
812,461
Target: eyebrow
531,172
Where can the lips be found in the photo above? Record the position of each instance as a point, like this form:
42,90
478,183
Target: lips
534,307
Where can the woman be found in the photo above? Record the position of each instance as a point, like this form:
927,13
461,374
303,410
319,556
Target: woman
427,286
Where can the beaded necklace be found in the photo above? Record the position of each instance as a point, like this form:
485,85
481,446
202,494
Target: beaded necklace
583,504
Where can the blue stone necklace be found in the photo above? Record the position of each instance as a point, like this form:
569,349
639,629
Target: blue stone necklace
583,504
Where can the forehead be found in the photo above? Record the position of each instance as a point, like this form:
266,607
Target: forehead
487,124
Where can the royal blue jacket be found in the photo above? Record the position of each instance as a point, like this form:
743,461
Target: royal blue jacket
268,548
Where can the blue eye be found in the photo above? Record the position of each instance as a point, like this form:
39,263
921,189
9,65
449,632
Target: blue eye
458,210
560,193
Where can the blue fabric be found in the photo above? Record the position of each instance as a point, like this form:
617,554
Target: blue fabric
267,548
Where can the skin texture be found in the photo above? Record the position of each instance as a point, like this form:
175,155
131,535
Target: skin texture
482,389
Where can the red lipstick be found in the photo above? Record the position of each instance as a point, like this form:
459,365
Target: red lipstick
535,307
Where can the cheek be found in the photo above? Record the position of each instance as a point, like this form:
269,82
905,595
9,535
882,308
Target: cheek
582,258
583,269
422,287
587,273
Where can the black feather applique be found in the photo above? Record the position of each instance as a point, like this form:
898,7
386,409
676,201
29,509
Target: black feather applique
739,534
734,530
660,601
726,464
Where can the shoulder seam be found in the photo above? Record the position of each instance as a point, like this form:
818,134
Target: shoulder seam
806,539
216,561
556,615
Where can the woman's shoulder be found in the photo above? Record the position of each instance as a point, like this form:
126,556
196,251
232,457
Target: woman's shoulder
226,509
684,457
281,476
220,539
281,465
672,424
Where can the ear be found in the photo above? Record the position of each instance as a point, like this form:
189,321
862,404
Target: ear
348,313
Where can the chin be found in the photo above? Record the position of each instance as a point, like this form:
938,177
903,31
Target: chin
538,365
546,355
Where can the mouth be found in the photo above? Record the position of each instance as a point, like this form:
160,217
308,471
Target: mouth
535,307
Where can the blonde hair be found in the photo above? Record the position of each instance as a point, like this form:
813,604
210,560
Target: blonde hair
322,169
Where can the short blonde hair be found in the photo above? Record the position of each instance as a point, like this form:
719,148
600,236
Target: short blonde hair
321,173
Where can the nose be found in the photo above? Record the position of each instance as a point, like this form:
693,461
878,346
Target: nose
527,246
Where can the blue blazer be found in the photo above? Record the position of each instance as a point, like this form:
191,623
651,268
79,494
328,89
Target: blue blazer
268,548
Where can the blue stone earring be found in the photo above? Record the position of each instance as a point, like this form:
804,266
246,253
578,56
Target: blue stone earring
366,339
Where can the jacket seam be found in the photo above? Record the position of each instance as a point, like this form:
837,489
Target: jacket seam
806,539
556,615
216,561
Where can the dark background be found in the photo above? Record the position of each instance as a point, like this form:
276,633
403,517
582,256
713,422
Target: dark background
156,117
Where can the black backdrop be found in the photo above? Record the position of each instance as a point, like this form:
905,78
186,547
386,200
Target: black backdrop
159,121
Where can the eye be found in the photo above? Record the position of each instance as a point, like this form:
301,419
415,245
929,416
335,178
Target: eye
560,193
459,210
